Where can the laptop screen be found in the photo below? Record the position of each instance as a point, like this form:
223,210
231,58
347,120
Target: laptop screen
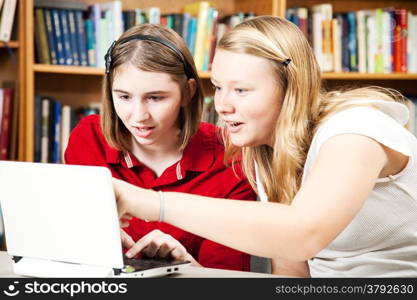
60,212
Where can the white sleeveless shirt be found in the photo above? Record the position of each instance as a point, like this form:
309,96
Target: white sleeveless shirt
381,240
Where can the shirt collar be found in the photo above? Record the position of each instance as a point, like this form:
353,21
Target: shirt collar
198,155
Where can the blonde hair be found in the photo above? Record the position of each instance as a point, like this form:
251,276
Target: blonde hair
152,57
304,107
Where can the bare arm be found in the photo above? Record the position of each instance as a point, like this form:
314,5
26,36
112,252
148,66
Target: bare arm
339,183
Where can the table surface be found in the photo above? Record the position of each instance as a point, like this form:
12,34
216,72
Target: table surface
6,270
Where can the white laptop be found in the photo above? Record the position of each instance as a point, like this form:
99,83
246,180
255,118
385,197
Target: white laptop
61,221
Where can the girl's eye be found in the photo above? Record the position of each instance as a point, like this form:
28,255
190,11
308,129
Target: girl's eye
124,97
240,91
155,98
216,88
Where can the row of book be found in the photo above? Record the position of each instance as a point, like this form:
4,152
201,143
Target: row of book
53,123
379,40
8,122
7,19
70,33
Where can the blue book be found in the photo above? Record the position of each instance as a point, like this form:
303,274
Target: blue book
81,38
192,30
57,130
51,129
59,41
73,37
37,128
63,16
51,36
352,41
91,44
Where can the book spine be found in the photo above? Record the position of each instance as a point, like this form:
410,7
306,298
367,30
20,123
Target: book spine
379,60
360,17
57,133
352,42
400,41
5,123
59,42
42,47
73,37
45,130
1,105
7,19
51,36
81,38
37,128
386,41
51,137
98,36
66,37
65,129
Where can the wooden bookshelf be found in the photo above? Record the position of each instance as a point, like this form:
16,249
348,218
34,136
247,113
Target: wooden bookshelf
40,68
12,67
11,44
366,76
77,85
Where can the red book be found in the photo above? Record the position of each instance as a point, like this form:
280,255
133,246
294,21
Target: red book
5,123
400,40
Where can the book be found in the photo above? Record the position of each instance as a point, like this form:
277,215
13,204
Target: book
352,41
7,20
200,11
337,45
1,106
56,152
59,41
65,129
386,41
37,126
5,123
45,130
90,42
73,37
60,4
322,35
96,28
41,38
66,39
51,37
81,38
13,155
400,40
360,21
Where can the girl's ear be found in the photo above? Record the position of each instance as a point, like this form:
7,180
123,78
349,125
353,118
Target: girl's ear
192,87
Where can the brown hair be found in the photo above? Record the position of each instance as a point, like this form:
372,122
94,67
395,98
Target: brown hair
152,57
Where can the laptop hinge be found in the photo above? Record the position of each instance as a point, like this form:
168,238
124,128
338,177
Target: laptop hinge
16,258
117,271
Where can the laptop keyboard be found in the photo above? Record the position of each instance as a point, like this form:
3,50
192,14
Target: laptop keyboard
148,263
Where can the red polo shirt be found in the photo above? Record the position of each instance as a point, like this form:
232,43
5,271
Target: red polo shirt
200,171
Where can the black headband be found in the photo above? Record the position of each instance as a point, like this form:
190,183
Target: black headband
108,57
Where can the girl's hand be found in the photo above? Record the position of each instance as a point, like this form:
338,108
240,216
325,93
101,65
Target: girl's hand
135,201
160,245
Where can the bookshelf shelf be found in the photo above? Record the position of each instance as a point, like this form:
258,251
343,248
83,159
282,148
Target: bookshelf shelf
42,68
75,70
11,44
368,76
